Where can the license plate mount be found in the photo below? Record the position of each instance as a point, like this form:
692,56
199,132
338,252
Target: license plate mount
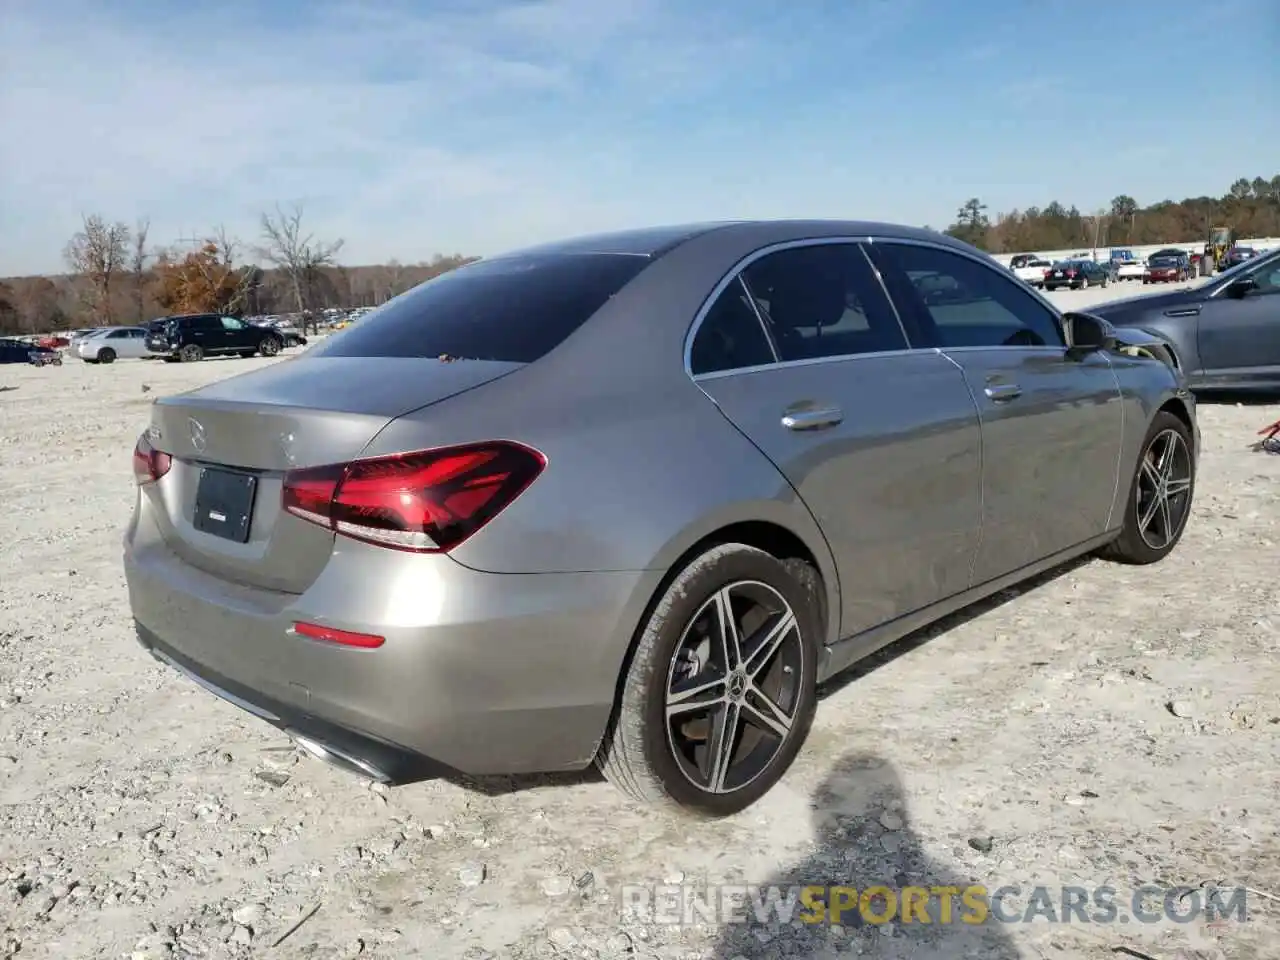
224,503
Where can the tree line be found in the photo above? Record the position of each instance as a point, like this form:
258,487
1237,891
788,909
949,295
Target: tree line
1250,208
115,275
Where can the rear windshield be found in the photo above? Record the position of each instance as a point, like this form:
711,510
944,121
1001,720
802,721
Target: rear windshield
513,309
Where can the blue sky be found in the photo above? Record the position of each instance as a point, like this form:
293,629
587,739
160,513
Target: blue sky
410,128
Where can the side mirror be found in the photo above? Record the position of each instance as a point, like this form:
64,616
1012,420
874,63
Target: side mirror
1087,334
1241,287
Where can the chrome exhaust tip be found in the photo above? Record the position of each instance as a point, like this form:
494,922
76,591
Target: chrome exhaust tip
338,758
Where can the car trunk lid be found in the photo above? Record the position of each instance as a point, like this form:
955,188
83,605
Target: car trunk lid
232,443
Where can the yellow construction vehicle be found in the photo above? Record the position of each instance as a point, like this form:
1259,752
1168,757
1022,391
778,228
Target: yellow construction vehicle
1215,251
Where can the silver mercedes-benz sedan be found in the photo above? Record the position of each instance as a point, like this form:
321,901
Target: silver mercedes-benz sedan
628,499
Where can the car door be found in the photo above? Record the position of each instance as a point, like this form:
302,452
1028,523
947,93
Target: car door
803,352
204,332
236,333
1238,337
117,340
134,345
1052,426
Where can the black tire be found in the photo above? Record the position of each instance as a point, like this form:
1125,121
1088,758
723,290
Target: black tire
269,347
1137,543
640,754
106,355
191,353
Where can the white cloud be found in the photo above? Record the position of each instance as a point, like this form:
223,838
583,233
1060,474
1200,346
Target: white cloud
402,132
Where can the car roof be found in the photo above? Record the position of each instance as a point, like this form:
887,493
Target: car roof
657,240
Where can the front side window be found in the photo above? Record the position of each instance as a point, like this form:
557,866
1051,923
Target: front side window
968,304
231,323
823,300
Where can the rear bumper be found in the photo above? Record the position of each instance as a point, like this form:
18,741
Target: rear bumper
480,673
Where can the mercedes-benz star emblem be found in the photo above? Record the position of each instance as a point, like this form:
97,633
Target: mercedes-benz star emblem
197,434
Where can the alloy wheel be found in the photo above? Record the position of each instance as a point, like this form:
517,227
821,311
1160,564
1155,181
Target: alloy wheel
1163,489
733,687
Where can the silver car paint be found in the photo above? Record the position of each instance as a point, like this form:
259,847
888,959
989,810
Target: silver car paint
505,655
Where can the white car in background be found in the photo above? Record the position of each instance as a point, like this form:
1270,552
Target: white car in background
1130,269
112,343
1030,268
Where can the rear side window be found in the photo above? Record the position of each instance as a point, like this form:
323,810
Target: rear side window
730,336
513,309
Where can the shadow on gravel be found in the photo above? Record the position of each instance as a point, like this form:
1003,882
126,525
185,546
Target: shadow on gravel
864,840
922,636
503,786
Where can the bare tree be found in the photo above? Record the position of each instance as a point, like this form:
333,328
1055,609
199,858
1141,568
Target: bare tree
141,256
99,253
295,253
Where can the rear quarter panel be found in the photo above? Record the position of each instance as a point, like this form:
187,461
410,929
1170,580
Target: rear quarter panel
631,480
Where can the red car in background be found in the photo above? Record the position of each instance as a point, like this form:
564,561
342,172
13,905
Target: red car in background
53,343
1167,266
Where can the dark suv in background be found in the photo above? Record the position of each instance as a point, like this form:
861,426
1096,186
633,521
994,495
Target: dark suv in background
196,336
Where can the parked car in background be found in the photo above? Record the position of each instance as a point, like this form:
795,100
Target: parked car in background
290,334
1129,269
1077,275
53,342
1224,332
412,550
1167,267
1238,255
13,350
193,337
1032,270
109,344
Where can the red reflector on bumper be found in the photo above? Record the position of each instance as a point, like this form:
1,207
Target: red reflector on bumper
344,638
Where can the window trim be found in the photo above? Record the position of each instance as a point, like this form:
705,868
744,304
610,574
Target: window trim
986,263
736,272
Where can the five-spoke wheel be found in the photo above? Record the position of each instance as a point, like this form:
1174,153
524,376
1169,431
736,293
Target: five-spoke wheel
719,694
733,686
1160,496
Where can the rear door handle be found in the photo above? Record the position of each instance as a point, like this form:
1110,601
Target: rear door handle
812,419
1003,392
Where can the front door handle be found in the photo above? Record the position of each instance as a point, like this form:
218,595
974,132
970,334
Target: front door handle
1003,392
813,418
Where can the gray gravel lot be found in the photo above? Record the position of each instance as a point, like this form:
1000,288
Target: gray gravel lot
1106,725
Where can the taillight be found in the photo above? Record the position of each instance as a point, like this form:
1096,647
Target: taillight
149,464
426,502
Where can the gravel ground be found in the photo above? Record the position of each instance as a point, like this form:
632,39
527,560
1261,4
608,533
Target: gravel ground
1105,725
